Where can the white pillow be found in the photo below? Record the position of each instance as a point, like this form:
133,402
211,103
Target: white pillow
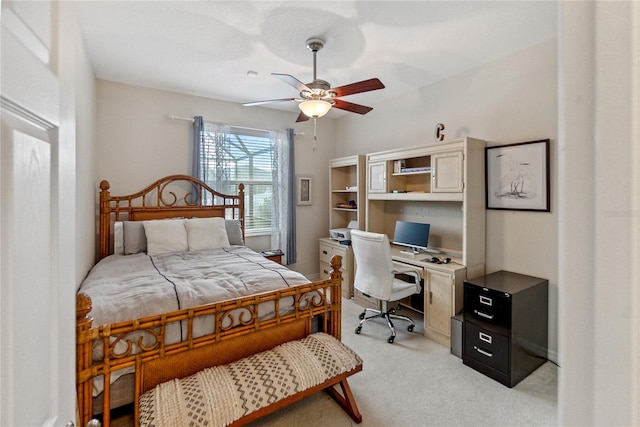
206,233
165,236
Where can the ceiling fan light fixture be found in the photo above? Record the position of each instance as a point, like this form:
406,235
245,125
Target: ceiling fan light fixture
315,107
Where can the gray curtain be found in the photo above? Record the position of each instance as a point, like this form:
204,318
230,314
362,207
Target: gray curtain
283,213
291,252
196,168
198,128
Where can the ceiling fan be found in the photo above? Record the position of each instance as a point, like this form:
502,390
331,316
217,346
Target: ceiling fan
318,97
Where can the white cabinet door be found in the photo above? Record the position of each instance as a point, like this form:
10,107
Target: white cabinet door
447,172
438,298
377,177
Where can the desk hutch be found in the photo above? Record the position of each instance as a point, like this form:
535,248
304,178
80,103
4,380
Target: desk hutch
441,184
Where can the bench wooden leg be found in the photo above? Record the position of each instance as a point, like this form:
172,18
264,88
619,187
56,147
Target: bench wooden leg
346,400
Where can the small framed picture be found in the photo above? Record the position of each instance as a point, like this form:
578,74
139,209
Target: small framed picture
518,176
304,191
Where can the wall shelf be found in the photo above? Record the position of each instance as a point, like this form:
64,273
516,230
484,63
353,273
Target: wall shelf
346,184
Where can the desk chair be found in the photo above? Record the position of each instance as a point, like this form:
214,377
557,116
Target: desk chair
376,277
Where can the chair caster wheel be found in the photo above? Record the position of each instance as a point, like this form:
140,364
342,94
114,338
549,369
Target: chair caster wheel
410,328
390,340
361,316
358,329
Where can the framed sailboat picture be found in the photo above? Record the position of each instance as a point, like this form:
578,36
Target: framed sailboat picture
518,176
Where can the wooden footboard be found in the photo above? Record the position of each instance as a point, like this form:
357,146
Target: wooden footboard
238,329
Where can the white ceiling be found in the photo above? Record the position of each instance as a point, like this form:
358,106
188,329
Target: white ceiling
206,48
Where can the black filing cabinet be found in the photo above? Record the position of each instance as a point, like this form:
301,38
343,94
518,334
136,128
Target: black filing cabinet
505,325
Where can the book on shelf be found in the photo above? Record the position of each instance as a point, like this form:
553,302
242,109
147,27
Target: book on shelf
418,169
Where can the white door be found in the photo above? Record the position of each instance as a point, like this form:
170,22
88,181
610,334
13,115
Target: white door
37,334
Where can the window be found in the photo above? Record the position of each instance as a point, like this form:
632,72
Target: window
230,156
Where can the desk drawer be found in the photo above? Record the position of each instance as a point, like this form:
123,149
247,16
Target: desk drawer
327,252
486,347
365,301
488,307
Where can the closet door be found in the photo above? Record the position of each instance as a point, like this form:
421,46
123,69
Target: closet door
37,332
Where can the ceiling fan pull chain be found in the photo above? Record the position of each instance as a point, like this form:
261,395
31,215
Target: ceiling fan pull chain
315,137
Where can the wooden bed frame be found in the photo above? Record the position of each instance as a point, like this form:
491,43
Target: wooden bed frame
317,306
161,200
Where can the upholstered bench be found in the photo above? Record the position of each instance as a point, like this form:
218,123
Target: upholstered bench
244,390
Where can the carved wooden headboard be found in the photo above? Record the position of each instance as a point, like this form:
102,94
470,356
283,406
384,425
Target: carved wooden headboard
169,197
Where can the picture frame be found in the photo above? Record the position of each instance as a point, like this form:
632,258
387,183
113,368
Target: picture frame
304,191
517,176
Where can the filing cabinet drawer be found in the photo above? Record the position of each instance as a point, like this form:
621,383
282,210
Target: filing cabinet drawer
327,252
325,271
328,248
490,308
487,347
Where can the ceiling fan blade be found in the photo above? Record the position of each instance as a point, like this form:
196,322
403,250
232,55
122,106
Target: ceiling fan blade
359,87
292,81
349,106
302,117
251,104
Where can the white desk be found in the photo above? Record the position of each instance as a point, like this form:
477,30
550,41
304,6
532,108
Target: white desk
422,260
443,286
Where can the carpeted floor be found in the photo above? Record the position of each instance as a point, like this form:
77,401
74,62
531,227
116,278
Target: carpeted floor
417,382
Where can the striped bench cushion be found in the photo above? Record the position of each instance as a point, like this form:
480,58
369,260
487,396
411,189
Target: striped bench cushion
219,395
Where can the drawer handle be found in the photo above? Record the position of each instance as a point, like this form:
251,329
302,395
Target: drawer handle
485,315
482,352
326,271
324,252
484,337
486,300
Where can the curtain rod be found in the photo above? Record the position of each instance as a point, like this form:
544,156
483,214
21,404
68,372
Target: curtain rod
190,119
174,117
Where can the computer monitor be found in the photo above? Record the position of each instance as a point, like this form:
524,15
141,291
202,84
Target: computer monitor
415,235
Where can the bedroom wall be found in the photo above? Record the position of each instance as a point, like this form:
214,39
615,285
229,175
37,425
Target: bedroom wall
138,143
86,163
506,101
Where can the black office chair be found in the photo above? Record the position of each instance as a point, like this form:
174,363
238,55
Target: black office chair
376,277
